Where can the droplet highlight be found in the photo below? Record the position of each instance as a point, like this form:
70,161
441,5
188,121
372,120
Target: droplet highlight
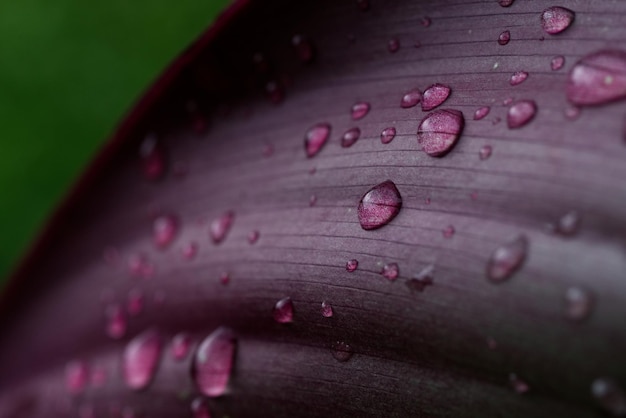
141,358
518,77
387,135
556,19
434,96
439,131
411,98
213,362
283,311
556,63
504,37
379,205
350,137
485,152
481,112
315,139
390,271
219,227
598,78
352,265
359,110
327,309
521,113
507,259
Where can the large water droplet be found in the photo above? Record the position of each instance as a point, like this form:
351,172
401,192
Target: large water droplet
556,19
181,343
116,322
283,311
390,271
504,38
379,205
164,230
507,259
153,160
518,385
485,152
423,278
556,63
200,408
598,78
393,45
359,110
352,265
481,112
411,98
141,358
518,77
76,375
506,3
578,303
387,135
219,227
304,48
520,113
315,139
439,131
434,95
609,395
327,309
213,362
341,351
350,137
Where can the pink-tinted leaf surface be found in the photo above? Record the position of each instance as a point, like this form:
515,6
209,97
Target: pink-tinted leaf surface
231,158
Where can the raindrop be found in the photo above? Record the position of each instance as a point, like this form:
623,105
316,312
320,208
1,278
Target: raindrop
505,3
556,19
164,230
200,408
76,375
152,156
448,231
253,236
304,48
578,303
439,131
379,205
220,226
390,271
190,250
411,98
518,77
283,311
485,152
141,358
387,135
213,362
181,343
116,322
557,62
481,112
393,45
598,78
609,395
518,385
350,137
134,302
504,37
359,110
327,309
341,351
316,138
434,96
507,259
422,279
520,113
352,265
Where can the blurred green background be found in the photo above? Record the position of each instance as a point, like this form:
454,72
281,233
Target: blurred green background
69,71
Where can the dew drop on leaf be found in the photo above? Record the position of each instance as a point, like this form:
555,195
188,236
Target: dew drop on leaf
393,45
141,358
390,271
153,158
283,311
504,37
164,230
448,231
350,137
518,77
181,343
352,265
598,78
485,152
439,131
411,98
557,62
507,259
327,309
505,3
578,303
379,205
556,19
253,236
341,351
189,250
387,135
115,322
213,362
134,302
219,227
520,113
359,110
434,96
609,396
315,139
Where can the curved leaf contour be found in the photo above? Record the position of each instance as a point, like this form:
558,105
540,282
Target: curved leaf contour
481,309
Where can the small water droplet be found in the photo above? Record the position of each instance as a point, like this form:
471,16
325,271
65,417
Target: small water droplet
609,395
426,21
315,139
189,250
505,3
220,226
200,408
485,152
153,158
76,375
393,45
327,309
352,265
439,131
164,230
598,78
481,112
225,278
387,135
507,259
312,200
423,278
434,96
253,236
568,224
390,271
115,322
134,302
520,113
556,19
359,110
379,205
448,231
141,358
557,62
572,112
213,362
304,48
350,137
518,77
518,385
411,98
578,303
283,311
341,351
181,343
507,101
504,37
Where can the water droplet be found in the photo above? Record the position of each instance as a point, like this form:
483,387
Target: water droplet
556,19
485,152
568,224
518,77
520,113
507,259
141,358
505,3
434,96
359,110
439,131
283,311
213,362
341,351
116,322
598,78
411,98
390,271
448,231
481,112
152,156
572,112
518,385
350,137
504,37
200,408
422,279
76,375
363,5
379,205
312,200
220,226
327,309
181,343
507,101
609,395
352,265
304,48
578,303
557,62
253,236
164,230
316,138
189,250
393,45
274,91
225,278
387,135
426,21
134,302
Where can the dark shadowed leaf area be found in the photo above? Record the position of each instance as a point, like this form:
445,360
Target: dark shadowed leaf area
472,257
